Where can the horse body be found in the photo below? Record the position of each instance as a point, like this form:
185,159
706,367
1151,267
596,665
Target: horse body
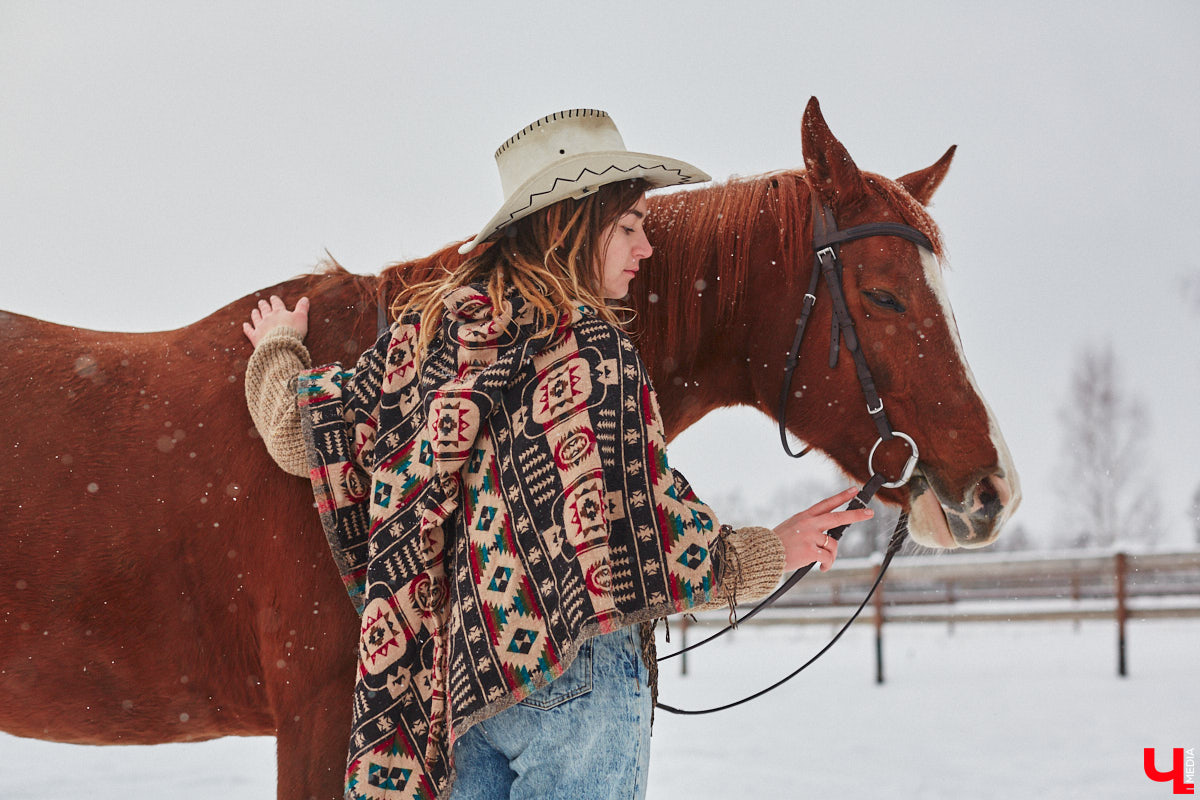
164,581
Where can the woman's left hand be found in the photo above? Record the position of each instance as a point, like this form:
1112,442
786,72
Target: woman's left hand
272,314
803,535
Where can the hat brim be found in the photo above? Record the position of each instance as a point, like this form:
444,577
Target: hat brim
581,175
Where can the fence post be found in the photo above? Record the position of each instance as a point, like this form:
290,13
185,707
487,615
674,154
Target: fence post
1076,594
1119,569
683,629
950,603
878,628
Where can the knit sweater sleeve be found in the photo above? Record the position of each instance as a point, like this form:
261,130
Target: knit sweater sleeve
278,358
753,566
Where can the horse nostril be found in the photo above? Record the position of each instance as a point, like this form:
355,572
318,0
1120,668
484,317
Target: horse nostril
988,504
991,495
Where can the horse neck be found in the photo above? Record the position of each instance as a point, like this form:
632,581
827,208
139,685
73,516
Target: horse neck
694,336
698,310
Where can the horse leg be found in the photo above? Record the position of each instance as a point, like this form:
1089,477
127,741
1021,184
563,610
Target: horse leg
310,662
312,739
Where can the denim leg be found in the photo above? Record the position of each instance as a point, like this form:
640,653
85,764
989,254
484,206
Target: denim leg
483,771
567,740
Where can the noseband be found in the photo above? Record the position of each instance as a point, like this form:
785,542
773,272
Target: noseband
827,262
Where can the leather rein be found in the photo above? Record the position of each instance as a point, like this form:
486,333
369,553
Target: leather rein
827,263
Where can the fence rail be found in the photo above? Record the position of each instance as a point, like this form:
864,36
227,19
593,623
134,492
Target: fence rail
994,587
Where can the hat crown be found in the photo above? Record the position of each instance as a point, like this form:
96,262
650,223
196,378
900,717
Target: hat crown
570,155
553,138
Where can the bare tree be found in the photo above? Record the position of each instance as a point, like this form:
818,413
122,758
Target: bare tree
1194,511
1016,537
1105,496
1190,289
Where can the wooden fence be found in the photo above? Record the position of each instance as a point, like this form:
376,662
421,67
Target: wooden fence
994,587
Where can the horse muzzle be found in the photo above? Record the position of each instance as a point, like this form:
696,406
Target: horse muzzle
975,520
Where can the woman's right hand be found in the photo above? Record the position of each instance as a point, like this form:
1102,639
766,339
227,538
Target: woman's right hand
803,535
272,314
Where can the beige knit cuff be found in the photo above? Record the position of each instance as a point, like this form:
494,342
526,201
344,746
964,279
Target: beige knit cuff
754,560
759,557
279,356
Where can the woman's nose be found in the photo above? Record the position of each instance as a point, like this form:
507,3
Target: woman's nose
644,249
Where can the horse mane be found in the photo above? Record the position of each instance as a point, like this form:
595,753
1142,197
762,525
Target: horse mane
705,235
909,209
702,240
702,253
389,283
329,274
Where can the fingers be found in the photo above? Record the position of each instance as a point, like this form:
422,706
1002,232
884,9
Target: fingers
830,503
271,312
804,535
834,519
826,551
267,305
275,305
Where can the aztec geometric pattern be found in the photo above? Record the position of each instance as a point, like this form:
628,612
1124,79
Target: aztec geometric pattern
488,515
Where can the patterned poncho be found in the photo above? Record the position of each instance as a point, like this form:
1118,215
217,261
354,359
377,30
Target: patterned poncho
488,514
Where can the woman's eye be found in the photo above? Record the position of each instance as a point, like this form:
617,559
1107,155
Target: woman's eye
627,229
884,300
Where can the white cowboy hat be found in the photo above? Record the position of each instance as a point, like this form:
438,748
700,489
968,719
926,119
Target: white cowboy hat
570,154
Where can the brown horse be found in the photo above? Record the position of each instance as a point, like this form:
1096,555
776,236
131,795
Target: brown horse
164,581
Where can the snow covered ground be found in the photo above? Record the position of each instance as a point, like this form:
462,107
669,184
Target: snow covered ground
985,711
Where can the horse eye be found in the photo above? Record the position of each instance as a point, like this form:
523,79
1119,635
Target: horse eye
884,300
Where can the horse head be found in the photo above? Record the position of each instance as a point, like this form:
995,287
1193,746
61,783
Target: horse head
965,486
753,241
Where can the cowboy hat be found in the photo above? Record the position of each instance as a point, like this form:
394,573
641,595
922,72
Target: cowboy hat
570,154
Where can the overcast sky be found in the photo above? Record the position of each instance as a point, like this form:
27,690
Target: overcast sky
159,160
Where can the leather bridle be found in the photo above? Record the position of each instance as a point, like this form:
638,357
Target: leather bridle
827,263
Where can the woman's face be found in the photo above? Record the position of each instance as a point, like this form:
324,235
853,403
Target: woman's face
625,245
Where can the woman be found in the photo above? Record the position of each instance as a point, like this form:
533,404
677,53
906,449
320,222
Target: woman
493,481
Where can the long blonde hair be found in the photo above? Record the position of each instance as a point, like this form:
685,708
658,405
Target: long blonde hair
551,257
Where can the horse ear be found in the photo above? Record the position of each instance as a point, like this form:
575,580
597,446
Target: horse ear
924,182
831,171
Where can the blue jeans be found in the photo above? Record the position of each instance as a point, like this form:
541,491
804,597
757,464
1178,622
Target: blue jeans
585,736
